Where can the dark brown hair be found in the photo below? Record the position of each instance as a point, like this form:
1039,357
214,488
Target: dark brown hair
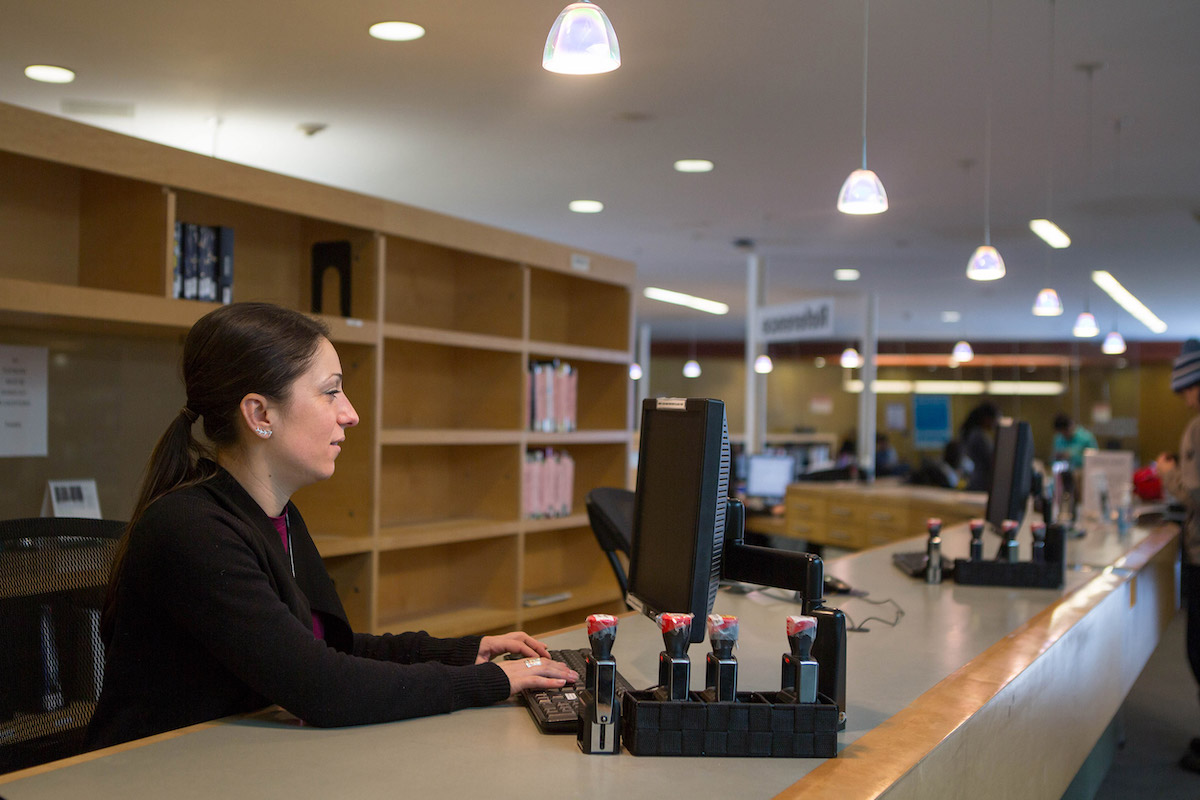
230,352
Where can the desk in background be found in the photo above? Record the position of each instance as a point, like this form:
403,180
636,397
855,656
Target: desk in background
978,692
855,516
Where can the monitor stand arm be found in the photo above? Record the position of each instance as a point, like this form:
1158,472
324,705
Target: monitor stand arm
803,573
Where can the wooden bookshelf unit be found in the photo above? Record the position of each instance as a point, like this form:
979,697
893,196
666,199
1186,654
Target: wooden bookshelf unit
421,526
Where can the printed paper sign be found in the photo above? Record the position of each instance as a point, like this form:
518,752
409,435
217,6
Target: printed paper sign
23,397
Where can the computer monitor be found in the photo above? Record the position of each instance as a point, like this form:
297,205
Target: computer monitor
1012,473
679,509
768,476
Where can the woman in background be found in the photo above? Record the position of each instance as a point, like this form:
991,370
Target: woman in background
219,602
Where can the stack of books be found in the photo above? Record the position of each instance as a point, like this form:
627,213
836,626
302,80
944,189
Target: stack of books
203,263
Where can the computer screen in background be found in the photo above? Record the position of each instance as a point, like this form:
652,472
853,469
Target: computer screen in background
768,476
679,509
1012,473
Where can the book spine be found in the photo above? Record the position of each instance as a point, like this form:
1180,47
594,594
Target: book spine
225,264
191,261
206,245
177,263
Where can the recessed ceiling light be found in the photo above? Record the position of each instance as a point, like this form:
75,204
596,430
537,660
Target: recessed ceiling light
681,299
1050,233
951,316
586,206
846,274
396,31
48,74
693,165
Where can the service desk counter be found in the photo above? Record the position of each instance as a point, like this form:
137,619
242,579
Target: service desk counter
974,692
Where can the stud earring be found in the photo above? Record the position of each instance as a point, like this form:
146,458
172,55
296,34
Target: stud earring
263,432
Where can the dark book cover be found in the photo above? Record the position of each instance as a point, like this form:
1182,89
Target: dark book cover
177,263
191,260
206,246
225,264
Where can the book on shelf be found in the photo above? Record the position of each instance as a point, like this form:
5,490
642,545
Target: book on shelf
553,387
191,261
547,486
206,260
177,263
225,264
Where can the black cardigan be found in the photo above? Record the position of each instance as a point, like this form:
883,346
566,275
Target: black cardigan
210,622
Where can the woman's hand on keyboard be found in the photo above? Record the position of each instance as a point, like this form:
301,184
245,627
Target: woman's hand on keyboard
517,643
536,673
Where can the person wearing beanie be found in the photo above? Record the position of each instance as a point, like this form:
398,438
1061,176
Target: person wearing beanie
1181,477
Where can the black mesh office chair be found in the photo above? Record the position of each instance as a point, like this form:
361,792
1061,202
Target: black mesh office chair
610,512
53,577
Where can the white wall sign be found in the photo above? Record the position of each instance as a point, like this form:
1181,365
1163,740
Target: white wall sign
23,401
808,319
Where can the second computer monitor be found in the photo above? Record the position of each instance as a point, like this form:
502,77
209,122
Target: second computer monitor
679,509
768,476
1012,473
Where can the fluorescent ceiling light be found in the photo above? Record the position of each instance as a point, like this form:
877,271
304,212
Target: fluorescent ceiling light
693,165
1050,233
49,74
396,31
586,206
951,316
681,299
997,388
1127,301
846,274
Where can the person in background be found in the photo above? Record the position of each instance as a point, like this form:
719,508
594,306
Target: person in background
887,460
1181,477
977,445
219,602
1070,440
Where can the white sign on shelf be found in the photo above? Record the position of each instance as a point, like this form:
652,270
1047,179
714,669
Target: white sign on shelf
23,400
76,498
808,319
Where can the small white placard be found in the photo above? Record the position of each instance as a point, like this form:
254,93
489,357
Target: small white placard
672,403
23,399
76,498
580,262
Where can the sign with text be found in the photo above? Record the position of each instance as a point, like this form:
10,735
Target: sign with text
23,397
789,322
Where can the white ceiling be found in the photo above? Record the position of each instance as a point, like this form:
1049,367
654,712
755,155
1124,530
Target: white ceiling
466,122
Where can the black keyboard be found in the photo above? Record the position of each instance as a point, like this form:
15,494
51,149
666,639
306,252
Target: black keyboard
557,710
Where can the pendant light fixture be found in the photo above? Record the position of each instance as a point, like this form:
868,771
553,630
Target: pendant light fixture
581,42
763,365
1047,304
863,193
691,369
1114,343
1085,326
851,359
962,352
986,263
635,371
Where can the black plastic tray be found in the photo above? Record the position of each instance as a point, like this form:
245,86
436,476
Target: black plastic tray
756,725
